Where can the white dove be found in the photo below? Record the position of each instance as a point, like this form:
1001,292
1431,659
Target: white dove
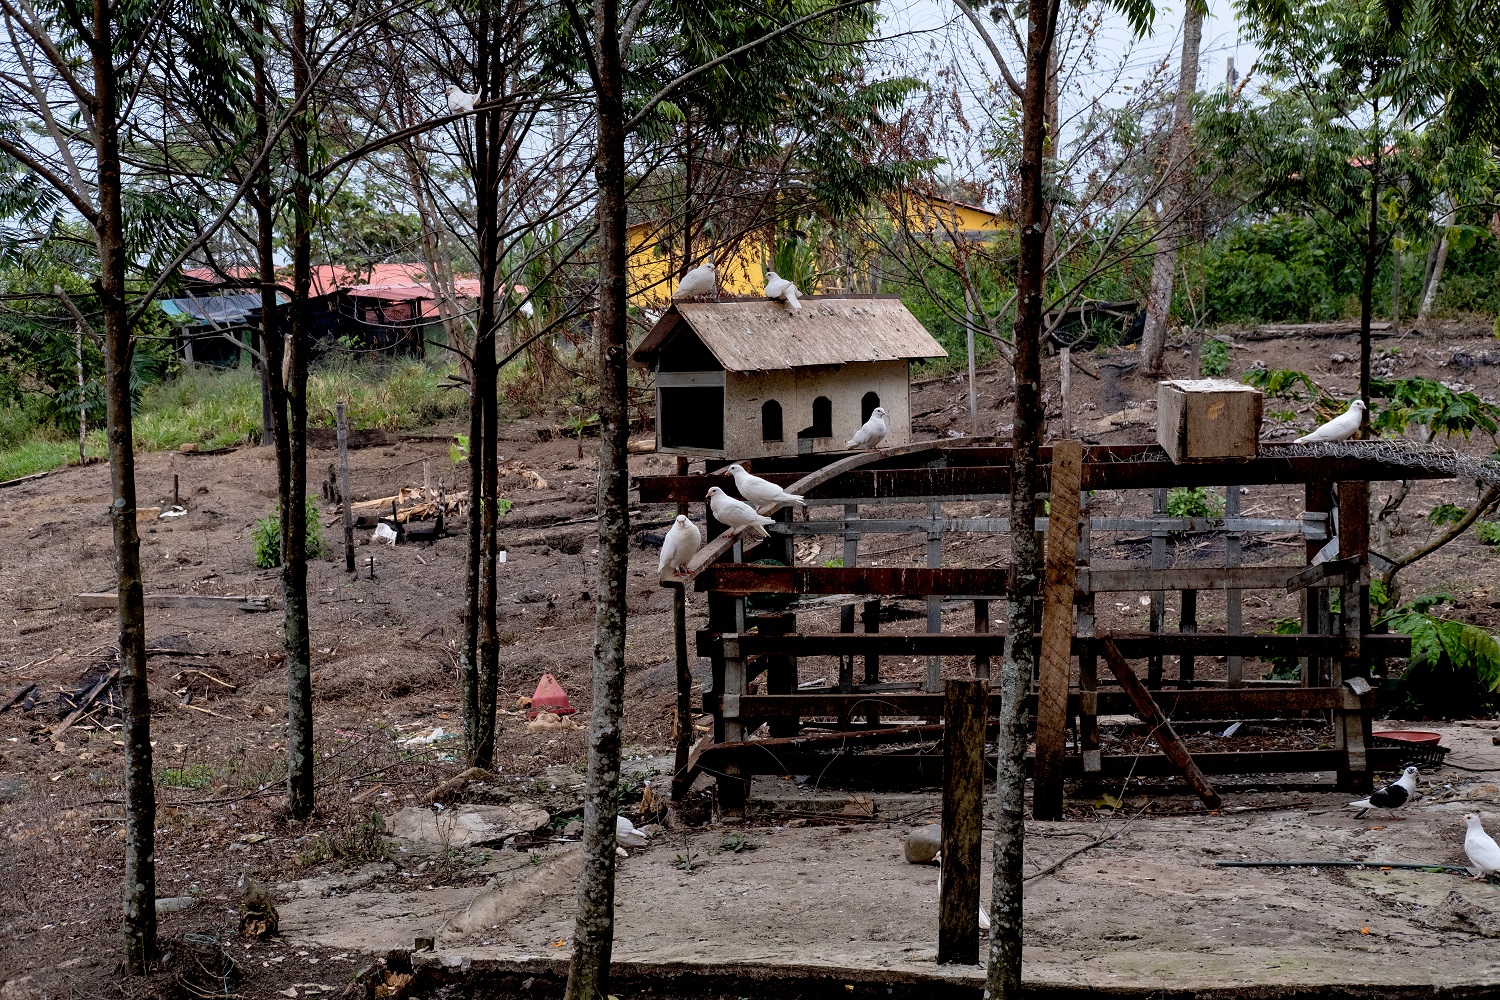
698,282
984,919
872,433
1340,428
627,833
1483,852
737,514
759,491
778,287
679,547
458,101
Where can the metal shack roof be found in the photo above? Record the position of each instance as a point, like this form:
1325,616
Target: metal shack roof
747,335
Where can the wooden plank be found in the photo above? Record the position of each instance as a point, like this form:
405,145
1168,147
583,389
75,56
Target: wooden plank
885,581
1160,726
24,479
905,525
684,724
1057,630
1198,702
964,704
1234,664
249,602
1107,581
1134,645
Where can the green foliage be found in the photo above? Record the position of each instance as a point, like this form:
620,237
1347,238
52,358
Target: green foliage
1488,532
265,536
1213,358
1283,383
1446,513
186,776
1282,269
1454,667
796,256
1195,501
1430,405
737,843
1285,668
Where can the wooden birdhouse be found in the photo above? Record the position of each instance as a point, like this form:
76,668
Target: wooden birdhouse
748,378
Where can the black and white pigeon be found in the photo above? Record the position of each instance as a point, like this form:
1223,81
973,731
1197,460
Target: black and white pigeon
1392,796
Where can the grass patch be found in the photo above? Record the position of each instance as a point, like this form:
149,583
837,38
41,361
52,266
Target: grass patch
221,409
187,776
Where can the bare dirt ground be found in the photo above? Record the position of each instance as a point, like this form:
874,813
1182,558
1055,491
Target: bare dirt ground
384,658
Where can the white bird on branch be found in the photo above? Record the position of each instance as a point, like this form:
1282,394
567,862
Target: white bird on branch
697,283
761,491
1340,428
458,101
778,287
868,437
737,515
678,548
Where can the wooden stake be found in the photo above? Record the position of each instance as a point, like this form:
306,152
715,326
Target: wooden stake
426,479
1161,729
964,704
684,692
348,517
176,491
1057,628
1067,392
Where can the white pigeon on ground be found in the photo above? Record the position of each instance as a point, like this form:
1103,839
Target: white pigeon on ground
1392,796
872,433
1340,428
679,547
698,282
737,515
760,491
1483,852
459,101
778,287
627,834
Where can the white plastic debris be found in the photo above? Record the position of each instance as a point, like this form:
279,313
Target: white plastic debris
384,533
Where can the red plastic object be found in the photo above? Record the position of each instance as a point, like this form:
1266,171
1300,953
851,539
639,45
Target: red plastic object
1415,736
549,697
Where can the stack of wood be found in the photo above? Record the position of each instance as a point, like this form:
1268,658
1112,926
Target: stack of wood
412,503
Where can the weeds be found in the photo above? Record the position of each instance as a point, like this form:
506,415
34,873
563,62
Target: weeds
266,535
1213,358
357,839
738,843
187,776
1196,501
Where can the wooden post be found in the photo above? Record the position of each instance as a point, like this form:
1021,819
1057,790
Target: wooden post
1161,729
1318,504
846,613
1088,663
733,789
1158,598
176,491
1187,623
870,615
1354,543
934,679
348,516
1353,736
1057,629
1067,391
982,626
684,690
426,479
1234,671
964,705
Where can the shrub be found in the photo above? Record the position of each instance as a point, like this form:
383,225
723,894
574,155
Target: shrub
1281,269
266,536
1453,670
1285,668
1196,501
1213,358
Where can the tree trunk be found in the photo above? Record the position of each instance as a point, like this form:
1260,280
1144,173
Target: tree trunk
293,488
1004,975
593,934
1367,277
1435,270
1174,198
139,923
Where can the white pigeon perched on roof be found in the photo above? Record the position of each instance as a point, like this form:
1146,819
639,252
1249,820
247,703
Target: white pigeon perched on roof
458,101
1483,852
872,433
627,834
778,287
698,282
759,491
1340,428
1392,796
737,514
679,547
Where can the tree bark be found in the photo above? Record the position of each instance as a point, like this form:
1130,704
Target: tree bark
1004,973
1174,198
593,934
139,923
1435,270
293,487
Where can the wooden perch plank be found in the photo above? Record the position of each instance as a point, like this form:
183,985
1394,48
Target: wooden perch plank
1161,729
248,602
1057,629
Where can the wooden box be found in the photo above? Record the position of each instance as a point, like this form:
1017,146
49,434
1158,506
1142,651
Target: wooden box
1199,419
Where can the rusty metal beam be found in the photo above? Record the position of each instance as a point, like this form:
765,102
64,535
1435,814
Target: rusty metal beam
917,704
1134,645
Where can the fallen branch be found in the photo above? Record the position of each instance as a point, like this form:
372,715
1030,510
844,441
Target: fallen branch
18,697
88,700
455,783
249,602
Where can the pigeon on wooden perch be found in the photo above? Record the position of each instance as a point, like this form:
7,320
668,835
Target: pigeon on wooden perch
697,283
1340,428
761,491
737,515
1392,796
778,287
458,101
1483,852
678,548
868,437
